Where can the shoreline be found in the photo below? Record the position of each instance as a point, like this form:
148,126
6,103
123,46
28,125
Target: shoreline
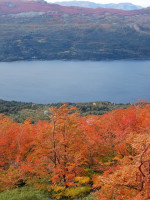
76,60
59,102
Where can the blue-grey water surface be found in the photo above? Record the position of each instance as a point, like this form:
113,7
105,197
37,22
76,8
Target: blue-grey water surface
75,81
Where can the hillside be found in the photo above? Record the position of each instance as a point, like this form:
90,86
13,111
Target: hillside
36,30
19,111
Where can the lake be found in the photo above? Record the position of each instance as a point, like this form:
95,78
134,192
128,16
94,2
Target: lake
75,81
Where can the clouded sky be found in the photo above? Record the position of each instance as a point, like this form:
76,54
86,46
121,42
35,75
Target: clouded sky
144,3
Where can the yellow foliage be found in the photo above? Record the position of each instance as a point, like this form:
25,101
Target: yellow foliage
58,191
76,192
82,180
116,158
58,188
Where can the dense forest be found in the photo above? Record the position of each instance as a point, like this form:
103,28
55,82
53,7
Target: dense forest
77,157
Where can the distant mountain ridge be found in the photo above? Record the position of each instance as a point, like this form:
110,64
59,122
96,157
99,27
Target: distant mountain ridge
19,6
36,30
88,4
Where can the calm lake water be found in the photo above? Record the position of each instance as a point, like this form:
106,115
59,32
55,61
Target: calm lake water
85,81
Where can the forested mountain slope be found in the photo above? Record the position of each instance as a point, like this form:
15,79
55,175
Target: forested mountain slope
37,30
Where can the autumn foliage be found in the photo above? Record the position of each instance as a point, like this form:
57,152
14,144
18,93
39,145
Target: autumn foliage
71,156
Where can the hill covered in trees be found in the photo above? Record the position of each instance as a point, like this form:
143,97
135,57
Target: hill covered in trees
19,111
36,30
72,156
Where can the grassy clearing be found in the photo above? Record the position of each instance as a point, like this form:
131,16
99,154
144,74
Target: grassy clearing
25,193
30,193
